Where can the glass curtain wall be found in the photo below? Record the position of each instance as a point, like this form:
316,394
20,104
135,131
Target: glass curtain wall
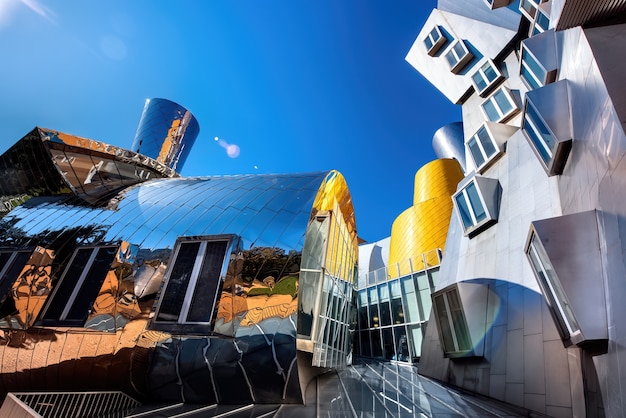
393,315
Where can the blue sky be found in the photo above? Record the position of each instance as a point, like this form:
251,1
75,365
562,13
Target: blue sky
299,86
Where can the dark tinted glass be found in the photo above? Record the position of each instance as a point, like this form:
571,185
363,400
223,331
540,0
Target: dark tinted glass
174,294
208,282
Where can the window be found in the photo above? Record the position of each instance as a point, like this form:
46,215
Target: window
529,8
482,147
477,204
434,41
73,297
551,288
541,23
453,330
458,56
192,282
501,106
532,72
485,77
551,152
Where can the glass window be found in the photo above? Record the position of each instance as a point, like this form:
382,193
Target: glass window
191,285
482,147
385,312
74,295
434,41
528,8
455,337
540,136
532,72
485,77
458,56
470,206
542,23
551,288
500,106
411,310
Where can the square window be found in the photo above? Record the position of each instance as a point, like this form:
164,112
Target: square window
500,106
434,41
192,283
485,77
458,56
477,204
529,8
533,73
482,147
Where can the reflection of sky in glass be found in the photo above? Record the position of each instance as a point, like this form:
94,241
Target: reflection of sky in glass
269,210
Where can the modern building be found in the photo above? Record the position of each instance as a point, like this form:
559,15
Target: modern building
529,307
116,273
395,291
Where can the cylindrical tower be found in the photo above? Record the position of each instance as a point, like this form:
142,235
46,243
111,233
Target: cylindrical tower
448,143
166,132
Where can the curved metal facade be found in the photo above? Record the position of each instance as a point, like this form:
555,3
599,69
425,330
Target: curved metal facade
183,289
166,132
423,227
448,142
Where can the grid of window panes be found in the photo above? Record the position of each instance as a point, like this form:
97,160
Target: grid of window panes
451,320
539,134
337,308
434,40
482,147
485,77
393,316
470,206
542,23
457,55
500,106
531,71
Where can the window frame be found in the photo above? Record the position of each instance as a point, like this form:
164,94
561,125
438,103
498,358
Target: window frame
459,61
532,12
458,330
77,283
182,323
487,159
528,60
551,156
480,207
503,116
536,27
489,84
436,44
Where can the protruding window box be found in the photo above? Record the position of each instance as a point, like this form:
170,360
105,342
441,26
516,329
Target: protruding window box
565,256
501,106
458,56
477,203
435,41
538,63
486,78
460,314
547,125
488,144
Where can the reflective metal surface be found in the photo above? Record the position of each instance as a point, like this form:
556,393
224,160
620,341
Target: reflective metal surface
180,289
166,133
448,143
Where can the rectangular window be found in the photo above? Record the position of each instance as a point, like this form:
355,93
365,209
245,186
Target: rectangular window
434,41
470,206
540,136
485,77
541,24
454,333
551,288
482,147
532,72
529,8
500,107
458,56
192,283
73,297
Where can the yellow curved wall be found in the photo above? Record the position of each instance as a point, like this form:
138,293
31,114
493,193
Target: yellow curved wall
422,228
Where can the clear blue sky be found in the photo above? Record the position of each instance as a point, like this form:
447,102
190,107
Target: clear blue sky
298,85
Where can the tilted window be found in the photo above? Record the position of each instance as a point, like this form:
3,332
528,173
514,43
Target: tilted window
529,8
551,288
541,23
533,73
434,41
477,204
192,283
482,147
73,297
455,336
486,77
458,56
500,106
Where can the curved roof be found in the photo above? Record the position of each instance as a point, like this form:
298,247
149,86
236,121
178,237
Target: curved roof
264,210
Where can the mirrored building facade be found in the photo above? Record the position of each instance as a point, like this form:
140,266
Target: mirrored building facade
117,273
528,308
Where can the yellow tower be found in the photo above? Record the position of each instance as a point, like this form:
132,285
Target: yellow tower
420,230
